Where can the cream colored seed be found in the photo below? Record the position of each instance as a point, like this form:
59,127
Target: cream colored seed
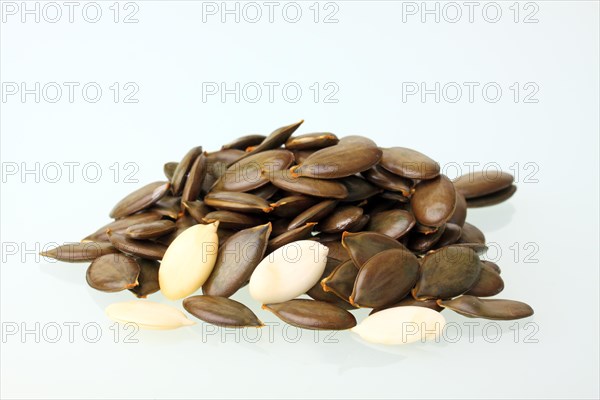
401,325
188,261
147,314
288,272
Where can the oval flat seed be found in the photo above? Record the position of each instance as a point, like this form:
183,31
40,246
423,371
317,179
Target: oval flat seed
387,180
499,309
358,225
317,140
285,180
184,166
140,199
411,301
312,314
275,139
392,223
183,223
168,206
314,213
492,265
169,169
332,162
232,219
188,261
288,272
459,216
336,250
493,198
409,163
80,252
150,230
147,315
113,273
488,284
341,280
359,188
243,142
390,326
148,278
221,311
247,174
236,260
433,201
217,161
362,246
385,278
121,224
394,196
303,232
447,273
197,209
450,235
340,219
291,206
481,183
237,201
266,191
471,234
140,248
421,242
317,292
301,155
195,179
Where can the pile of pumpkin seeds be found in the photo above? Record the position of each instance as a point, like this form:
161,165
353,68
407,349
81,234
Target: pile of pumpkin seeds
315,225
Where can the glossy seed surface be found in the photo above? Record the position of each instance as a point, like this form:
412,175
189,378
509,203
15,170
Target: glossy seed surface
312,314
221,311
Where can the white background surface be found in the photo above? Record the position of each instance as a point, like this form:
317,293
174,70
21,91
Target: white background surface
368,53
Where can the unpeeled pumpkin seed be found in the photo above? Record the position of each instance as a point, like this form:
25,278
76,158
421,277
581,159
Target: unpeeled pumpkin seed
318,292
275,139
237,201
471,306
232,219
493,198
147,279
314,213
150,230
387,180
303,232
197,209
188,261
411,301
391,326
140,199
312,314
221,311
195,179
482,183
169,169
291,206
488,284
341,219
121,225
140,248
287,180
147,314
433,201
359,188
362,246
113,273
311,141
288,272
182,169
243,142
409,163
80,252
341,280
393,223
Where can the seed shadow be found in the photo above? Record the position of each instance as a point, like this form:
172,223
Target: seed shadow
489,221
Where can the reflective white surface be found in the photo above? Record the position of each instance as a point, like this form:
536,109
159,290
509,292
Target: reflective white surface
367,55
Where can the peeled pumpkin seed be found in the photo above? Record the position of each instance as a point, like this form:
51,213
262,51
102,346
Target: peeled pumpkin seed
493,198
359,188
232,219
80,252
236,201
184,166
331,162
188,261
288,272
141,248
150,230
291,206
221,311
286,180
341,280
409,163
303,232
147,279
340,219
499,309
481,183
387,180
311,141
385,278
312,314
236,260
147,315
169,169
392,223
362,246
390,326
488,284
244,142
314,213
195,179
113,273
140,199
433,201
446,273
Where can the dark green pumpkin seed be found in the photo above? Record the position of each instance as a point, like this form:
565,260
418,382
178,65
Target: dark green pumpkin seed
140,248
488,284
389,181
385,278
393,223
243,142
236,260
341,280
140,199
493,198
433,201
150,230
314,213
312,314
446,273
409,163
184,166
499,309
195,179
311,141
287,180
237,201
362,246
80,252
221,311
481,183
340,219
232,219
113,273
291,206
303,232
148,278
